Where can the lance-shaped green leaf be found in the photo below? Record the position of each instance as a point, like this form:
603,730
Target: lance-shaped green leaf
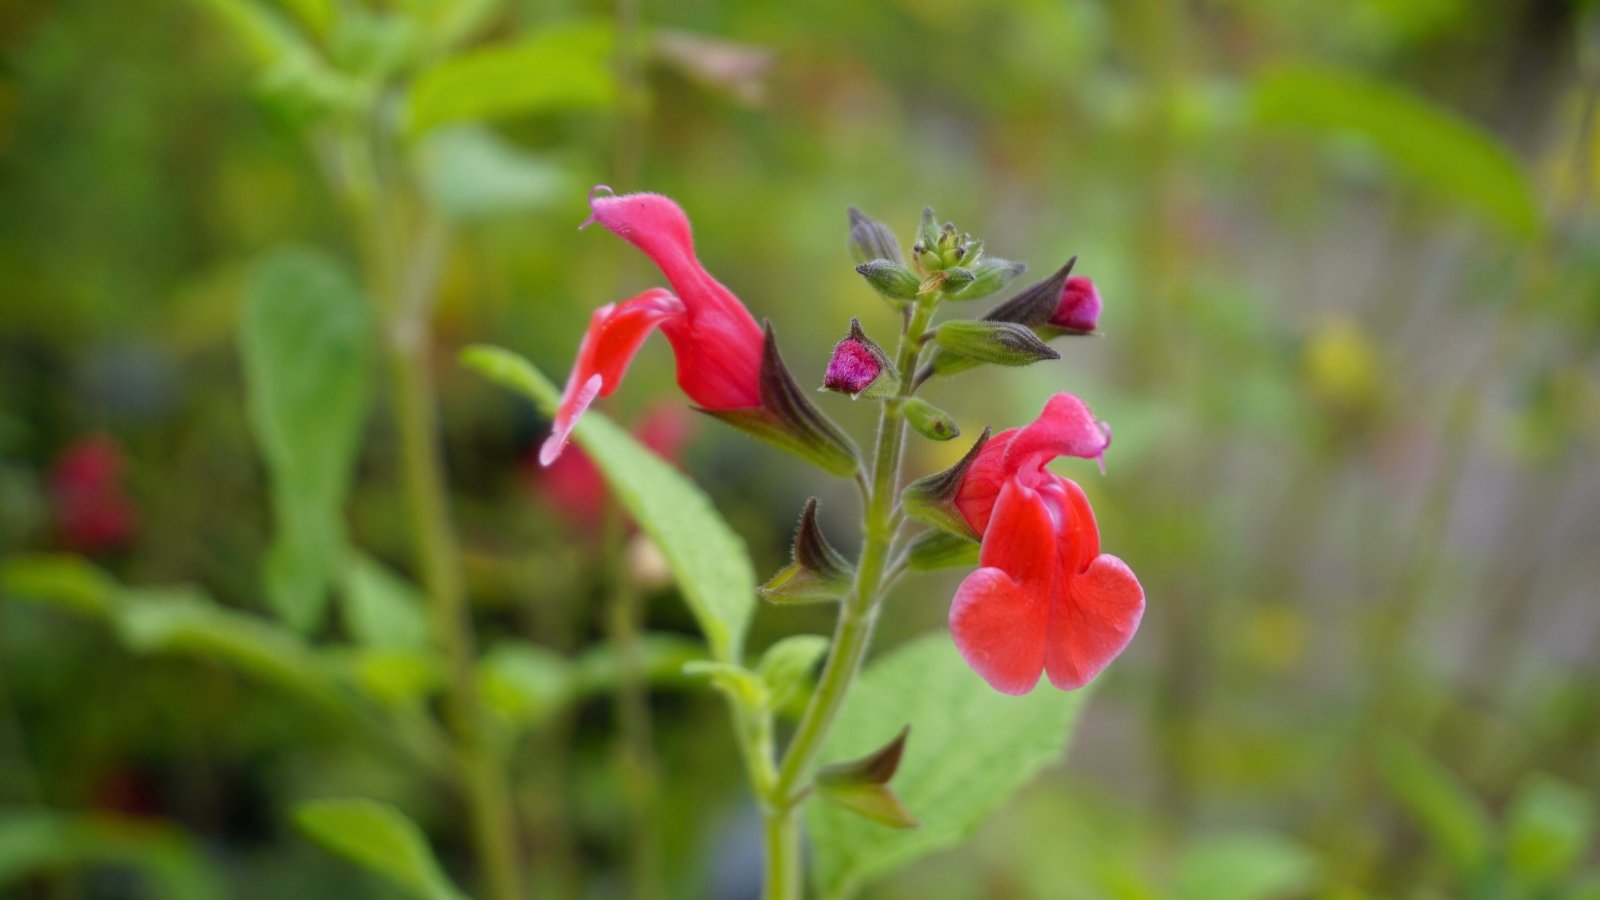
787,419
71,582
870,239
380,839
989,275
941,550
891,279
999,343
862,785
817,574
306,341
932,498
709,561
1447,810
930,421
786,666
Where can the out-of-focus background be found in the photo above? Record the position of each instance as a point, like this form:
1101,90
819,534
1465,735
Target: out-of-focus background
1350,353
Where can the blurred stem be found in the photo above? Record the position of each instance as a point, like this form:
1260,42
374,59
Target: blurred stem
401,281
636,752
853,633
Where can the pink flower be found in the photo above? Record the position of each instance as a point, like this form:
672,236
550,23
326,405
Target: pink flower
92,514
1045,598
717,342
1079,306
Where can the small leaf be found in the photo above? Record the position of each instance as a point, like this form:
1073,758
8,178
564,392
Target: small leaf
35,843
380,839
394,678
381,609
470,173
739,683
306,342
875,802
786,666
562,67
1449,813
1244,867
524,683
975,747
62,580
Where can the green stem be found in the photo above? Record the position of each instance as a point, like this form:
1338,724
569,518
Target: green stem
853,633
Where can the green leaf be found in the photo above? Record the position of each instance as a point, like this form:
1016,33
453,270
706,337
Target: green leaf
1444,807
306,342
61,580
709,561
662,658
562,67
380,839
972,748
1434,147
470,173
381,609
35,842
742,685
395,678
786,666
181,620
1244,867
1550,827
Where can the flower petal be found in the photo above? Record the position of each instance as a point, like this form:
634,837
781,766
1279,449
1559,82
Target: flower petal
717,342
615,333
980,487
1091,622
1066,427
1001,612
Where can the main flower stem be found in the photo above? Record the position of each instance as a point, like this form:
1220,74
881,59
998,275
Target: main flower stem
853,633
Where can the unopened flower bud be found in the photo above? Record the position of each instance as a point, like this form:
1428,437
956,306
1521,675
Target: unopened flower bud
871,239
958,277
1079,308
930,421
988,275
860,367
1001,343
890,279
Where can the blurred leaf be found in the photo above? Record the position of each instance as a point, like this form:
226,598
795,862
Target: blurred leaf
305,338
1244,867
394,677
971,749
1549,830
183,621
381,609
523,682
742,685
36,842
663,659
708,560
786,666
1434,147
1444,807
292,71
61,580
471,173
565,66
379,838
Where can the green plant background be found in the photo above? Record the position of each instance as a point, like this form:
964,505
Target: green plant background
1351,355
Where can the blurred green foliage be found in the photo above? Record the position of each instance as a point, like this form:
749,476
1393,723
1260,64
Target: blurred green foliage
1350,255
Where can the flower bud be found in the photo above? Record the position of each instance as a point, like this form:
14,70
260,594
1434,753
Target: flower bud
957,278
1001,343
989,275
1079,308
930,421
871,239
860,367
890,279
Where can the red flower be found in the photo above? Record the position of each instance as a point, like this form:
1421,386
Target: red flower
1045,598
92,513
1079,306
717,342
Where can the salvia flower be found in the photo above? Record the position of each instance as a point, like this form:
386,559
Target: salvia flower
1079,308
1045,599
717,343
92,512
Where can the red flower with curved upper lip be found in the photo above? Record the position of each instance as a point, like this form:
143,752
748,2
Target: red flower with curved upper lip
1045,598
716,341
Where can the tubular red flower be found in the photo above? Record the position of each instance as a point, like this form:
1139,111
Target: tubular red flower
716,341
1045,599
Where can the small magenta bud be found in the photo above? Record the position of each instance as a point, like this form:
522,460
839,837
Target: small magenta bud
859,367
1079,307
